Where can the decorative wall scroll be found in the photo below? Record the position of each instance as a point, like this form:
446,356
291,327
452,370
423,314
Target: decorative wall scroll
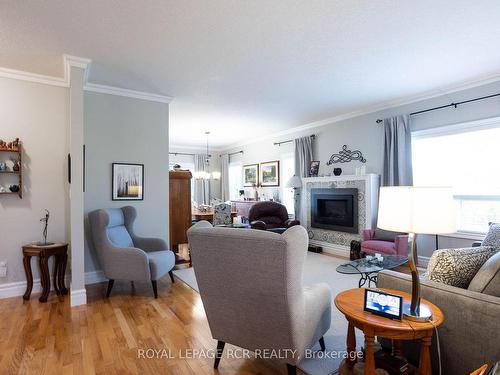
345,156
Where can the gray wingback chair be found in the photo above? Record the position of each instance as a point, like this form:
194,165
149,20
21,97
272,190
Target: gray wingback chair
250,283
124,255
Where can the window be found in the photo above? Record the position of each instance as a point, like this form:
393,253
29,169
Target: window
465,157
287,167
235,179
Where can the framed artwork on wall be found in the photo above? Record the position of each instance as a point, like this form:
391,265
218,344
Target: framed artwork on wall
270,173
314,168
250,174
127,182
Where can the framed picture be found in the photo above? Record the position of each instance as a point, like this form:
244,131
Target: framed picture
314,168
270,173
250,174
128,182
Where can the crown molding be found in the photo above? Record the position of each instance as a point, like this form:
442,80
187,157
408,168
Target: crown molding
450,89
202,149
85,64
111,90
33,77
76,62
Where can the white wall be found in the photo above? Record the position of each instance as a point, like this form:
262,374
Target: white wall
364,134
119,129
38,115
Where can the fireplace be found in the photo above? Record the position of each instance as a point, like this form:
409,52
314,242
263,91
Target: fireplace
335,209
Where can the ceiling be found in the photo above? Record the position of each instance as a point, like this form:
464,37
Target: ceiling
241,69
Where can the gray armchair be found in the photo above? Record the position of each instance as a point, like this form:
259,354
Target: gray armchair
250,283
124,255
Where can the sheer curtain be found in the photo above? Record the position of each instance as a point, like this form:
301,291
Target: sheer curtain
303,153
397,152
201,185
224,177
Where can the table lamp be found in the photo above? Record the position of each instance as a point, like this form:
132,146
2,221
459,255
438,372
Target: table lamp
412,210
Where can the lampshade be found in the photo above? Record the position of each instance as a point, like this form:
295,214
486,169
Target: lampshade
294,182
413,209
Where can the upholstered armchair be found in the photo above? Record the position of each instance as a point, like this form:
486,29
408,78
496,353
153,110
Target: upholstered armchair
222,214
123,254
271,216
388,243
250,283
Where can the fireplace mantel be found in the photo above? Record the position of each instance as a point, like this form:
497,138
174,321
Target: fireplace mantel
333,241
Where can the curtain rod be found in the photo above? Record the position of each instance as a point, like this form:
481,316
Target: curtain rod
313,136
448,105
232,153
185,153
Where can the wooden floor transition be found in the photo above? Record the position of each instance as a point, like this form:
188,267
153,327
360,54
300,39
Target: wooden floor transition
106,335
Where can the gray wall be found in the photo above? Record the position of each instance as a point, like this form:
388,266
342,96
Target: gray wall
38,115
119,129
363,133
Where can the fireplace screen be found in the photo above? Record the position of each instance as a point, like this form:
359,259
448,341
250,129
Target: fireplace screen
335,209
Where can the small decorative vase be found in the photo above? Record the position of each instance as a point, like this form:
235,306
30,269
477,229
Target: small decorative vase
16,166
14,188
337,171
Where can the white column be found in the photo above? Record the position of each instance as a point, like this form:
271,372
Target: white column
76,72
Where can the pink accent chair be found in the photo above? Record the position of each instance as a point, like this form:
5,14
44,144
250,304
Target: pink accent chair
399,246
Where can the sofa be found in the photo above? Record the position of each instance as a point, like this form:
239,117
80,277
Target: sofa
470,334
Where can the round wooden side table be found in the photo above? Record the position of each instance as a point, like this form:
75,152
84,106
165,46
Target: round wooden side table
350,303
43,252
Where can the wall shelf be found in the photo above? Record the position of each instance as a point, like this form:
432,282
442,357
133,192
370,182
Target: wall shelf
19,173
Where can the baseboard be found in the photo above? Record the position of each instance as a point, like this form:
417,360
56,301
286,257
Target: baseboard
337,250
18,288
78,297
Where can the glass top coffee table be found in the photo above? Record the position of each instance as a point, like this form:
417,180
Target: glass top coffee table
369,268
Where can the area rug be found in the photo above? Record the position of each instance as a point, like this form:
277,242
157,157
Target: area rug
318,268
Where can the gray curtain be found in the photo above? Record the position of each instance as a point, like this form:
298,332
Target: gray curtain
397,152
201,186
224,177
303,156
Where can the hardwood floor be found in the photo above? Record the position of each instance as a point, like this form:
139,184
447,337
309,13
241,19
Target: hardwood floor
107,335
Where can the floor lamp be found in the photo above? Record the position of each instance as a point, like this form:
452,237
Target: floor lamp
412,210
295,182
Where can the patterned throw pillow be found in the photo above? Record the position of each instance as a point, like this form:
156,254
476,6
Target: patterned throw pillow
457,267
492,237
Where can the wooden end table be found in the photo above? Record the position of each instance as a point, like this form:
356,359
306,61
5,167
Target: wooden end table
350,303
43,252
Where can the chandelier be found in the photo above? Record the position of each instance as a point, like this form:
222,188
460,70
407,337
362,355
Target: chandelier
204,175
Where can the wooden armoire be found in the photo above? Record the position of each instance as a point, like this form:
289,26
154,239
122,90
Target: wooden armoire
180,207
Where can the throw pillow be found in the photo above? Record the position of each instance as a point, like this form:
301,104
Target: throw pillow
492,237
487,279
457,267
385,235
